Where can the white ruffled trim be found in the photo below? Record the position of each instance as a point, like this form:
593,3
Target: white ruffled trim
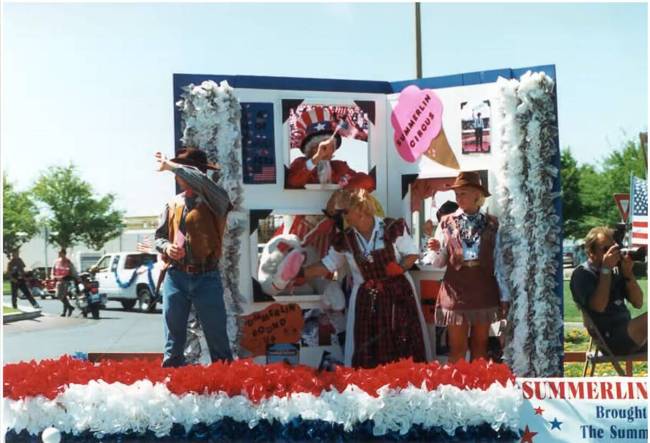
104,408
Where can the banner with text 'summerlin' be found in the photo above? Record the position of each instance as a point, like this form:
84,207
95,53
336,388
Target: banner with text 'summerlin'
612,409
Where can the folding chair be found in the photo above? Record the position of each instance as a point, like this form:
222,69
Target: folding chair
599,352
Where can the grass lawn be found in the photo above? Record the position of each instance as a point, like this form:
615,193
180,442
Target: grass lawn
8,310
6,287
572,314
577,339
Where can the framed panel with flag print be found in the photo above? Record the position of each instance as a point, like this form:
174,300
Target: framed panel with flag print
345,125
258,143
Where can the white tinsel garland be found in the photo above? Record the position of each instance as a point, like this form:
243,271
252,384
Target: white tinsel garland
530,231
211,119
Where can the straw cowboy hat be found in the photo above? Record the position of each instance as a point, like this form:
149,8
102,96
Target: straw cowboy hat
470,179
195,157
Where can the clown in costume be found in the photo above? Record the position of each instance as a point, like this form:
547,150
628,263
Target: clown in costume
316,136
384,320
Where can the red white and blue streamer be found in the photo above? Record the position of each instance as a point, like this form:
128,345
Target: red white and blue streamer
138,397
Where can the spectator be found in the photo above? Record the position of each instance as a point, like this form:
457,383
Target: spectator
16,273
448,207
64,272
602,284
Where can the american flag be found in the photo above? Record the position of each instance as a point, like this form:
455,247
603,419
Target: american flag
639,204
267,174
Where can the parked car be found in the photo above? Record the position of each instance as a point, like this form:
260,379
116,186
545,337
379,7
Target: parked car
45,286
85,260
125,277
35,285
42,272
41,284
573,253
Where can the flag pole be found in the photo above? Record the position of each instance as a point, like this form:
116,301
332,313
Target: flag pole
630,212
643,139
418,42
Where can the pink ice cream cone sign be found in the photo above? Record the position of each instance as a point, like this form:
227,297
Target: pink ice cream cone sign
416,120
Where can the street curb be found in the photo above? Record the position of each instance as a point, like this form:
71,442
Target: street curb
9,318
569,324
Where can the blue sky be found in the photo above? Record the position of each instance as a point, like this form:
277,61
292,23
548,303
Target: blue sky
92,84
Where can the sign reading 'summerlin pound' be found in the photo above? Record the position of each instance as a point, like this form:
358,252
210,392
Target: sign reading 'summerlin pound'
277,323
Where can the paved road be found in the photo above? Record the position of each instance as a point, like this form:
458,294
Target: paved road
51,336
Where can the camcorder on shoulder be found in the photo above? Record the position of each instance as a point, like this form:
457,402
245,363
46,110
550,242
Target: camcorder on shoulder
636,253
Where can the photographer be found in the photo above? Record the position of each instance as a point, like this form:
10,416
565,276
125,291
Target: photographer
601,285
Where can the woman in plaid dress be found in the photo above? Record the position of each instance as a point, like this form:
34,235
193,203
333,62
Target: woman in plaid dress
384,319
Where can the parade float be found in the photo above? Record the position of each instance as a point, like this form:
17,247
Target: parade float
412,137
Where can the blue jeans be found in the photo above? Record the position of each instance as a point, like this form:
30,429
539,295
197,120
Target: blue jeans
205,292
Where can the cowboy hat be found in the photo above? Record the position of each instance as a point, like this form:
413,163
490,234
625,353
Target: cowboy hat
470,179
195,157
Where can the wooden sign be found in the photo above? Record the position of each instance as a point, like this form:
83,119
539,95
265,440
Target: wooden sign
275,324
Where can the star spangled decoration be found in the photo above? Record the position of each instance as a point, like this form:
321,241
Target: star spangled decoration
538,410
639,212
640,198
555,424
527,436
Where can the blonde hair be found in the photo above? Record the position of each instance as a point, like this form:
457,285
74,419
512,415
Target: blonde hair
592,236
360,200
480,199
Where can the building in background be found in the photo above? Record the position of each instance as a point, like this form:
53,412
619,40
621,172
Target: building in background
38,253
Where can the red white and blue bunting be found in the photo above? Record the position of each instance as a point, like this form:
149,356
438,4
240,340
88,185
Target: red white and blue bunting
244,400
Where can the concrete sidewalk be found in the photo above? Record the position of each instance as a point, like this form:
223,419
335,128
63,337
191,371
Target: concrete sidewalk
22,315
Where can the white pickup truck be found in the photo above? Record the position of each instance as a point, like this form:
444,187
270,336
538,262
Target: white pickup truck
127,277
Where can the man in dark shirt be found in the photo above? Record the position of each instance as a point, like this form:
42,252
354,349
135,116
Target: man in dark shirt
16,273
601,285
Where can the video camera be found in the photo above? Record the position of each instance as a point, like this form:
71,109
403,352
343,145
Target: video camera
635,253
